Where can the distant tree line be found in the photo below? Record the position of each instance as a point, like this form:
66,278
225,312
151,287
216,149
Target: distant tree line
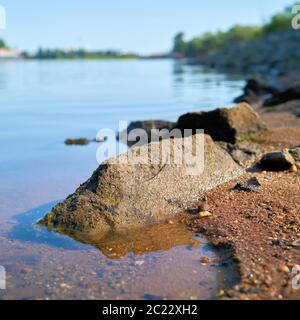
77,54
211,41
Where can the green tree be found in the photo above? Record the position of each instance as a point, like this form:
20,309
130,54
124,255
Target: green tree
2,44
280,21
179,43
242,33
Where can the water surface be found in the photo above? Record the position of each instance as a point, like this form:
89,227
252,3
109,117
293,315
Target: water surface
41,104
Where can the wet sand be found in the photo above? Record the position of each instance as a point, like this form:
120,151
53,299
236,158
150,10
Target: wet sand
260,228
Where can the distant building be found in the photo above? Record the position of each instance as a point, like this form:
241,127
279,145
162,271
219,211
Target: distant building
6,53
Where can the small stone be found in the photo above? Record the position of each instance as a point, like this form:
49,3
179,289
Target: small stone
221,294
285,269
204,260
264,172
293,169
171,222
296,243
204,214
139,263
252,185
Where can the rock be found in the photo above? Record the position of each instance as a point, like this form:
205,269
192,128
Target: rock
255,91
139,263
78,142
252,185
283,96
241,155
204,260
150,126
295,153
83,141
251,98
259,87
293,169
296,243
230,125
284,269
121,194
277,161
204,214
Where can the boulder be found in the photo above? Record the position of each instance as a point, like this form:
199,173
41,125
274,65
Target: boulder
277,160
259,87
150,126
283,97
121,194
230,125
255,91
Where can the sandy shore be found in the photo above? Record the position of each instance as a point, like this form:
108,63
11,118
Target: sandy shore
260,227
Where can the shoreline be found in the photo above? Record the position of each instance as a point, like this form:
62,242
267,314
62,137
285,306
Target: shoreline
260,228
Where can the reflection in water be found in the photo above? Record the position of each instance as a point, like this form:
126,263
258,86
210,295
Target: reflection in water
113,245
156,262
27,230
153,238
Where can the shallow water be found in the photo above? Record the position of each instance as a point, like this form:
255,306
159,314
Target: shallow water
156,262
42,104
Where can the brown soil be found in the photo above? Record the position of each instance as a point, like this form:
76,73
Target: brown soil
260,227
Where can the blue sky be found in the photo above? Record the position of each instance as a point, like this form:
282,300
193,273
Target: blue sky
144,26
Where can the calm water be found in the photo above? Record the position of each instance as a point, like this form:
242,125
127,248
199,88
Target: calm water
42,104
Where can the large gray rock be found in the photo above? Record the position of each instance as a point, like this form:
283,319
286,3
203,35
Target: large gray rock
230,125
120,194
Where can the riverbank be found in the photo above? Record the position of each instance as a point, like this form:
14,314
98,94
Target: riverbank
261,228
276,53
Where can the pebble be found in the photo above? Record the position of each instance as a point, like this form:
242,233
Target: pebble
293,169
139,263
285,269
296,243
204,214
221,293
64,285
204,260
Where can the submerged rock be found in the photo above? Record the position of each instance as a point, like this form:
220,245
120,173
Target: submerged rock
83,141
150,126
230,125
121,194
77,142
